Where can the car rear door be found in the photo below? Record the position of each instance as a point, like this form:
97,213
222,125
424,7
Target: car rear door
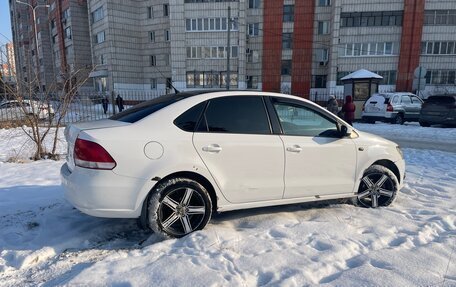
318,162
235,141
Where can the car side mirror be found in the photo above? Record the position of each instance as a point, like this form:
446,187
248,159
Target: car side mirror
344,131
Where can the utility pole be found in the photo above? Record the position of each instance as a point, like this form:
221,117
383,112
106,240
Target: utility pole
228,51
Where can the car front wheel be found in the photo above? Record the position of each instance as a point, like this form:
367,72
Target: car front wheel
378,187
178,207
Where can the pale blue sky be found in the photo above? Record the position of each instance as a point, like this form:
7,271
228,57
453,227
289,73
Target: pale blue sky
5,23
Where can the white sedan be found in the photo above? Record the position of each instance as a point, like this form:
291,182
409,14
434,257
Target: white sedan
174,160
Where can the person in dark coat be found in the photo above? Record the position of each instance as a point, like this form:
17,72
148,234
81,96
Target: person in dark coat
104,103
349,110
332,105
119,103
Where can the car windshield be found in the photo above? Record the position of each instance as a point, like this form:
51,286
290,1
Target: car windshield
441,100
144,109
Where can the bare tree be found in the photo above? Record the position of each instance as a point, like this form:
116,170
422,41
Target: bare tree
56,101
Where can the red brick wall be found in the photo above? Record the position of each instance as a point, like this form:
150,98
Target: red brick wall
272,45
409,57
301,76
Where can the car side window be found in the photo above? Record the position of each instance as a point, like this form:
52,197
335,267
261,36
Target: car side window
302,121
395,100
236,114
416,100
188,120
406,100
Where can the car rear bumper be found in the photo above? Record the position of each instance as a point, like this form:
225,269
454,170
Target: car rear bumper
387,117
102,193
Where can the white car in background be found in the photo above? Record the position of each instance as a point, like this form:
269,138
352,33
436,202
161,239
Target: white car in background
395,108
174,160
18,110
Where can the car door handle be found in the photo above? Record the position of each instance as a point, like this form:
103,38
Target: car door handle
295,148
215,148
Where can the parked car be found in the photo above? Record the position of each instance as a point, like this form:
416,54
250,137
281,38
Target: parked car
174,160
439,109
16,110
396,108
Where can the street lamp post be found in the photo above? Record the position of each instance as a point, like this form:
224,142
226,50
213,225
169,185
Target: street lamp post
38,68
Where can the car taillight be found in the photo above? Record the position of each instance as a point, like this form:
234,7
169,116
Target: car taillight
389,108
88,154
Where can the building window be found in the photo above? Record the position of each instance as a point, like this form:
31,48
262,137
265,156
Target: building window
441,77
371,19
254,4
252,82
254,29
210,24
323,27
52,23
52,6
167,36
97,15
150,12
210,79
288,13
68,32
319,81
440,17
66,14
287,41
370,49
438,48
153,84
166,59
322,55
153,60
54,39
324,3
286,67
213,52
165,10
152,36
102,59
389,77
100,37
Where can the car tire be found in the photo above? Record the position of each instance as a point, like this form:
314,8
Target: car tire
398,119
378,187
424,124
177,207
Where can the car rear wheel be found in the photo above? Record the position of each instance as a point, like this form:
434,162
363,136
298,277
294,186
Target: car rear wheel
178,207
378,187
399,119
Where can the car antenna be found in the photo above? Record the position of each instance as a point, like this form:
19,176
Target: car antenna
167,81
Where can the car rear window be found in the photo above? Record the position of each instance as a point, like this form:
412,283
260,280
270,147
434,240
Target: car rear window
145,109
441,100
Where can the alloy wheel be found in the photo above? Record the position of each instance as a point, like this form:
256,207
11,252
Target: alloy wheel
181,211
376,189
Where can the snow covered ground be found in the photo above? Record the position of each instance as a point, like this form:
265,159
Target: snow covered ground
44,241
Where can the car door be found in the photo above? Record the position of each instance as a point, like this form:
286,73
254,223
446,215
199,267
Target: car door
406,103
318,161
235,142
415,107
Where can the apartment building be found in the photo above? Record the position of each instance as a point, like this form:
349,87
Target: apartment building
299,47
7,61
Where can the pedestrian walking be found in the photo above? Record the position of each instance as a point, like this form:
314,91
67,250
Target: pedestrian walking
349,110
104,103
332,105
120,103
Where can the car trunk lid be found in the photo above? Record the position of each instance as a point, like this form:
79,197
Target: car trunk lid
376,105
72,132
